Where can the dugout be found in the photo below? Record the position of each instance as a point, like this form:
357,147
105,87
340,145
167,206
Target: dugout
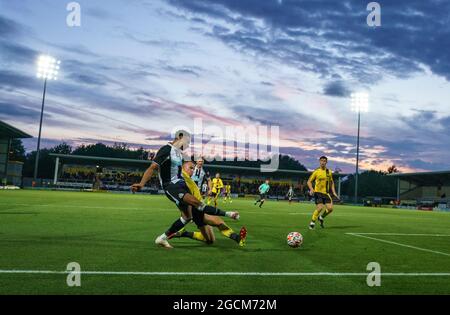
10,171
424,187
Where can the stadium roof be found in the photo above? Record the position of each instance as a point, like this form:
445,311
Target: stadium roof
425,178
142,162
8,131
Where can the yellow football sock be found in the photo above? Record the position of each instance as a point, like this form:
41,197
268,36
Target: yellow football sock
198,236
225,230
315,215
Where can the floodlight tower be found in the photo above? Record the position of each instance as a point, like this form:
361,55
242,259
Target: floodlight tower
48,68
360,103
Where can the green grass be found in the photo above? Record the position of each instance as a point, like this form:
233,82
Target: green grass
42,230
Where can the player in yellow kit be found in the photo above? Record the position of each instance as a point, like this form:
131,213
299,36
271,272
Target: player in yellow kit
227,196
323,185
204,221
217,186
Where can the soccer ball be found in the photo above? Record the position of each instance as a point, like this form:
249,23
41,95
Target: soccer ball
294,239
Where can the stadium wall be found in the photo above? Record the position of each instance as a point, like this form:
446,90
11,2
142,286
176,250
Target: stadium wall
411,191
4,148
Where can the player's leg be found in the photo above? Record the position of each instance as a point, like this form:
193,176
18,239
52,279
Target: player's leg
197,204
316,213
185,218
262,200
258,200
225,230
205,233
208,201
216,197
328,210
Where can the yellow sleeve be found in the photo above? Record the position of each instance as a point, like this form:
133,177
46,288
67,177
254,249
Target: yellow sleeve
331,177
220,183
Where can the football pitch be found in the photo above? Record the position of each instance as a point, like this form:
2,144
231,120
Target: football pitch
111,237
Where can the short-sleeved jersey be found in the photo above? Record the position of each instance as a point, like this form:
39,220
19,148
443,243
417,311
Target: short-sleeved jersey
323,180
227,189
170,161
200,176
264,188
290,192
217,185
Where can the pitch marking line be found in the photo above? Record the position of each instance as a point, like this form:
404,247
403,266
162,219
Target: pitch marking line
364,235
404,234
81,207
245,274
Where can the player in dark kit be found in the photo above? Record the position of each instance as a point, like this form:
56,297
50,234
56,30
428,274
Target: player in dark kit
169,162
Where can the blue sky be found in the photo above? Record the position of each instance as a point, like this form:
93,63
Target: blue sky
134,69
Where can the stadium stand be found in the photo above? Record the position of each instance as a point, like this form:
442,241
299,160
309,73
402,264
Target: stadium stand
10,171
112,174
423,191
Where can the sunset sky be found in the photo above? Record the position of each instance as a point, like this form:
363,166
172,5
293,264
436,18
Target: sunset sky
135,69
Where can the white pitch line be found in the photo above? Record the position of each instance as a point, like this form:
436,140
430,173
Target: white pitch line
399,244
245,274
81,207
404,234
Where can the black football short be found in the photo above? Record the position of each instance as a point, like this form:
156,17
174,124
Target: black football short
322,198
216,194
262,196
175,192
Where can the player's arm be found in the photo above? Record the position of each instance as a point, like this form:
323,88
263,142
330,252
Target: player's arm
333,188
146,177
310,180
161,157
208,180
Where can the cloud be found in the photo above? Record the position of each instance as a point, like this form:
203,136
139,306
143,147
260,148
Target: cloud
160,42
10,28
12,111
78,49
98,13
92,79
332,36
286,119
17,53
183,70
13,80
337,88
